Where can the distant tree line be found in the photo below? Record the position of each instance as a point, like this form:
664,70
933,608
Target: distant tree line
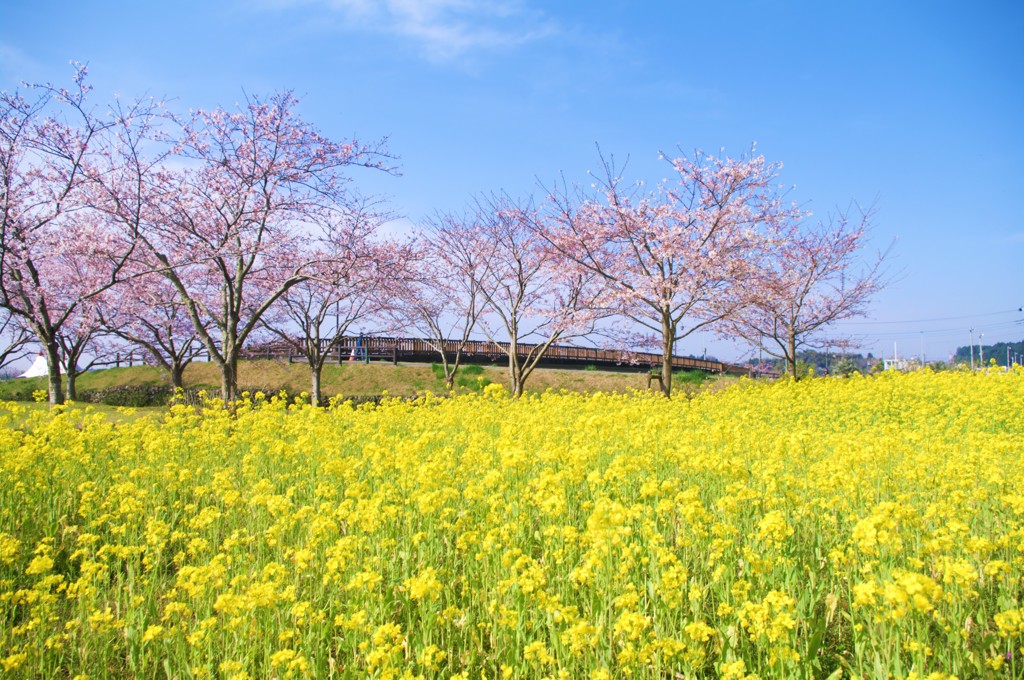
126,225
827,363
997,351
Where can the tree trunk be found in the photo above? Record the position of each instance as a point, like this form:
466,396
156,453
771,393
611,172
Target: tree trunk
667,340
231,345
516,379
53,370
449,370
515,369
517,385
229,379
177,371
792,356
314,374
71,388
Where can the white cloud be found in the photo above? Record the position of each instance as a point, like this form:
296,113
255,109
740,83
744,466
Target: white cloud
443,29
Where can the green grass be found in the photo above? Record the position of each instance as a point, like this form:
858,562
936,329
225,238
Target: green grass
22,412
470,377
695,378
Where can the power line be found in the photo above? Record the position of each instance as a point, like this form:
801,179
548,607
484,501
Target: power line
946,331
944,318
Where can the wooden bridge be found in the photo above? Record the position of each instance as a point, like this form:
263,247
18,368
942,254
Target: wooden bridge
416,350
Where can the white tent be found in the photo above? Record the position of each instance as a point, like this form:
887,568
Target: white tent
37,368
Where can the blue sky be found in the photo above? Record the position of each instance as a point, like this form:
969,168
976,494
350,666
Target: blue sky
915,107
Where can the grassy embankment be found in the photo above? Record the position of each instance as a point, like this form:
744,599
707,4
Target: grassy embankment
357,379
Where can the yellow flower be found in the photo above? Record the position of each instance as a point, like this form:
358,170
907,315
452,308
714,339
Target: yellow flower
9,546
101,621
735,670
1009,623
40,565
424,585
13,661
865,594
537,652
580,530
773,527
431,656
152,633
282,657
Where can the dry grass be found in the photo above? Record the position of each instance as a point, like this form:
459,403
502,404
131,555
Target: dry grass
408,379
404,379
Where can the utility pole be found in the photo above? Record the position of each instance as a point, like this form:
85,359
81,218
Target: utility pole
923,362
972,349
981,350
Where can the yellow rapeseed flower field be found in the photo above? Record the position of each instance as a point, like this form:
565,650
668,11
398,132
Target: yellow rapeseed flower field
867,527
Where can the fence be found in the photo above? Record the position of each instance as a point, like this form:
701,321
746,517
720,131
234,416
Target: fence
418,350
367,348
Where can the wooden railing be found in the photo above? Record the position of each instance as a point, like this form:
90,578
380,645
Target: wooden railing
367,348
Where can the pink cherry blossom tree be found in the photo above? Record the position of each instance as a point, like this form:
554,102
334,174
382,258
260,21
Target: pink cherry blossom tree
226,229
149,315
57,251
530,300
440,300
80,336
15,340
351,279
807,277
673,259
